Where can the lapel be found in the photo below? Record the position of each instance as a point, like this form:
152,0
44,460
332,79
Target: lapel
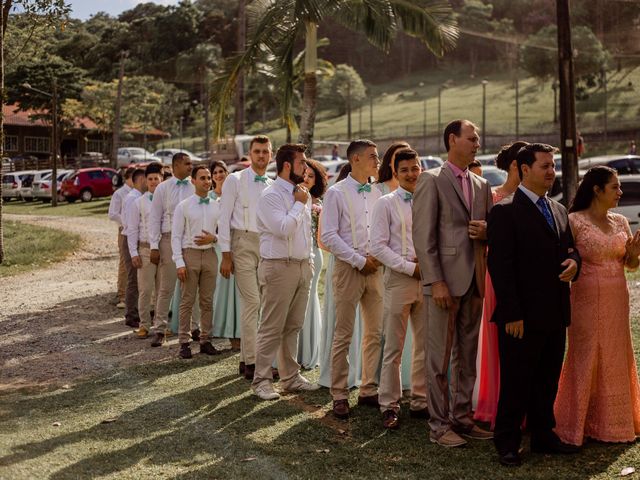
456,185
530,207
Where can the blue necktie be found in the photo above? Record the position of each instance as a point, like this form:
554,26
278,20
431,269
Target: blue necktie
546,212
182,182
365,187
204,200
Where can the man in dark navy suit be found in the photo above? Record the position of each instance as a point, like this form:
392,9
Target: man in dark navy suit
532,260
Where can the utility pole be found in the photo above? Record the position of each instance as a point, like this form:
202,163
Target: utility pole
606,108
371,114
116,124
349,110
54,134
568,136
241,44
484,116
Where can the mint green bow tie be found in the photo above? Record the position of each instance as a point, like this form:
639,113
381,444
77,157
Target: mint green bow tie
151,197
408,196
260,178
182,182
365,187
204,200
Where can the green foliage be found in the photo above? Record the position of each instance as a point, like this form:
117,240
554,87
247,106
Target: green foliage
335,91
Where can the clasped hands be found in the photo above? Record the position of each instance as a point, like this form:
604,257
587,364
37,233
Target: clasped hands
633,250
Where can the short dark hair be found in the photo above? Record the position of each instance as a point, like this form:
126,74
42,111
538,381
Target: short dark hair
194,170
357,146
507,154
455,127
402,155
129,172
179,157
384,172
287,154
212,167
597,176
527,154
152,168
259,139
320,186
475,163
137,173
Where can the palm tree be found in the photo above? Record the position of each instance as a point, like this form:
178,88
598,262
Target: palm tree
276,25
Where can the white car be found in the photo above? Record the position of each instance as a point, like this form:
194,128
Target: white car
41,189
494,175
333,169
26,190
429,161
12,183
129,155
166,154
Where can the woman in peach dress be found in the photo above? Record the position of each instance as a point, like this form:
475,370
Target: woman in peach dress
598,395
488,380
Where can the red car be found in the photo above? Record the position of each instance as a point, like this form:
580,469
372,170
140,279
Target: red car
88,183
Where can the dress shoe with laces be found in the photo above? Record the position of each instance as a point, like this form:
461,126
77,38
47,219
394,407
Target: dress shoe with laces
475,433
341,409
449,439
185,351
510,459
249,370
368,401
132,323
266,392
157,340
422,414
142,332
209,349
390,419
301,384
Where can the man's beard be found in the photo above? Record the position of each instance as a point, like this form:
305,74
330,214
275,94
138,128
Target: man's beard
296,179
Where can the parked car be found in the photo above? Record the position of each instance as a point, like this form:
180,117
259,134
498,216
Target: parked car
428,162
127,155
326,158
166,154
41,189
487,159
88,183
494,175
26,190
12,184
624,164
333,169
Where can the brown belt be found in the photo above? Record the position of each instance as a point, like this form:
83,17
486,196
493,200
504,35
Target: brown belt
144,244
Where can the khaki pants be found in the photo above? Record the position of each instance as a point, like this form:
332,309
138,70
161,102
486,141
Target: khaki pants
284,289
148,281
167,279
202,269
402,301
246,256
350,287
122,267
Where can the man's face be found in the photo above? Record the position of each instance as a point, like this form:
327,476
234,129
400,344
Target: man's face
260,155
182,168
408,173
153,180
541,173
369,161
202,181
466,145
296,173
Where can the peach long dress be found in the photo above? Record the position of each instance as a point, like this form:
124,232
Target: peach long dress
598,395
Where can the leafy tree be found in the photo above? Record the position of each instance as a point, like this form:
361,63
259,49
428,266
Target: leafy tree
345,85
474,16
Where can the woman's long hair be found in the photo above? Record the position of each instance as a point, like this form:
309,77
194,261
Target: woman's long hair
385,172
507,154
212,167
596,176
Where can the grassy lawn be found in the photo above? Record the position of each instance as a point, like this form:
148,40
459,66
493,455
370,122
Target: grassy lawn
97,207
28,247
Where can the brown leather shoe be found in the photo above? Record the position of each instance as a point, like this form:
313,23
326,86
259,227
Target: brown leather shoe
235,344
341,409
157,340
241,369
209,349
390,419
249,370
368,401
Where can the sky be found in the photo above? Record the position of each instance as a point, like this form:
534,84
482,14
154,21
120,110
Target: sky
83,9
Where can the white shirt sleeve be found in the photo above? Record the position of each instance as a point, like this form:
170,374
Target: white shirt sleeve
227,205
155,217
133,230
329,226
381,236
115,206
177,232
273,214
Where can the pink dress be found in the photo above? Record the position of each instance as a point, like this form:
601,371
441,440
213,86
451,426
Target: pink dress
599,395
489,369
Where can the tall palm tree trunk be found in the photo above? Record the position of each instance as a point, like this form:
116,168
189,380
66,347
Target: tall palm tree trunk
310,94
4,12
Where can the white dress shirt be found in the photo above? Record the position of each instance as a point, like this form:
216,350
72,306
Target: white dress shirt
337,232
165,199
115,206
138,222
126,217
391,240
190,218
240,195
284,224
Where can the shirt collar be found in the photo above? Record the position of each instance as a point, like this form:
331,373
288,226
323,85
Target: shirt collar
354,183
532,196
401,192
147,193
284,184
457,171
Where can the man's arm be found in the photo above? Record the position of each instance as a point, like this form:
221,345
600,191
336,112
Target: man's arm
155,217
329,226
227,204
133,230
380,236
425,229
274,215
177,231
115,207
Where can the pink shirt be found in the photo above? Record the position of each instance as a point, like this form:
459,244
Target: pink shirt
465,181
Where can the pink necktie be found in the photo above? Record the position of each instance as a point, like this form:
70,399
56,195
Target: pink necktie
466,188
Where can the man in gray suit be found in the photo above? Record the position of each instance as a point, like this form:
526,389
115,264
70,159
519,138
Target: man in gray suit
450,207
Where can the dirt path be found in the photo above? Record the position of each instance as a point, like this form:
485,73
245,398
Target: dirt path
59,324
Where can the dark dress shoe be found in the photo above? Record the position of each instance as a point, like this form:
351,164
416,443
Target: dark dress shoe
241,369
195,335
422,414
510,459
132,323
390,419
249,370
275,374
368,401
158,339
209,349
553,446
341,409
185,350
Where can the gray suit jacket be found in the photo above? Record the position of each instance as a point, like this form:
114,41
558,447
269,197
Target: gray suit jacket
440,230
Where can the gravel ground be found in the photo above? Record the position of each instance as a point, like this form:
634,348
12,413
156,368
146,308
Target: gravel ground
60,324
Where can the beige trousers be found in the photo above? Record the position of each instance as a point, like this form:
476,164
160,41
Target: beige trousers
122,267
284,289
202,270
148,281
402,301
350,287
167,279
246,256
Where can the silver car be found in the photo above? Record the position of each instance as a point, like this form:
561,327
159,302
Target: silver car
41,189
12,183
